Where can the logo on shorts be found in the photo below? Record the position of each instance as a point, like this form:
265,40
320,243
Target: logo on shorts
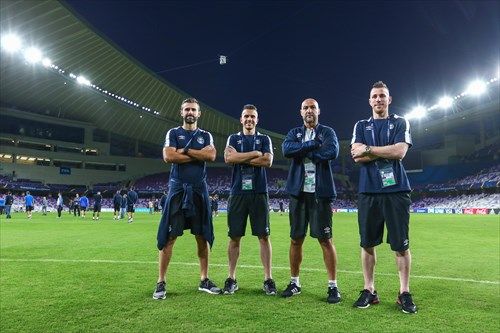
200,140
267,230
327,230
406,242
169,228
182,137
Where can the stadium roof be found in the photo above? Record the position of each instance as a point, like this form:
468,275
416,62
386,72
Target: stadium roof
72,44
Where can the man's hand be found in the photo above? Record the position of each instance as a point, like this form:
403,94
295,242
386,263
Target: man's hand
358,150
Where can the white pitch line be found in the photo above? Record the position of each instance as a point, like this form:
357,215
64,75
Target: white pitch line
108,261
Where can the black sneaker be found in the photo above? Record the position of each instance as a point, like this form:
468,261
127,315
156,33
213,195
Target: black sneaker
160,292
366,298
291,289
269,287
406,303
333,295
209,287
230,286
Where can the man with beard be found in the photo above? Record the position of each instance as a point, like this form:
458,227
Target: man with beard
249,152
311,149
379,145
188,148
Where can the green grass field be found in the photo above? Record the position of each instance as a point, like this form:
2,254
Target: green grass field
74,275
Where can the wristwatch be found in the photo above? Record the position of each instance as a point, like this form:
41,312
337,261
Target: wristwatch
368,149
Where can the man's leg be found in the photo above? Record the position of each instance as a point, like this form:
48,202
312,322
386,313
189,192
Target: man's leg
368,261
403,261
329,257
266,256
233,253
295,256
164,257
202,256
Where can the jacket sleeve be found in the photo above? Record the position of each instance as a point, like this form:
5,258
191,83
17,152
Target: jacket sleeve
329,149
292,148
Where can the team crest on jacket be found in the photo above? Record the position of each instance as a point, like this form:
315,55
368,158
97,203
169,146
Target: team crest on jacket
391,126
182,137
299,135
200,140
257,141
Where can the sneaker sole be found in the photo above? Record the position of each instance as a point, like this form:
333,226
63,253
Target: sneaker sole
273,293
297,293
208,291
227,292
163,297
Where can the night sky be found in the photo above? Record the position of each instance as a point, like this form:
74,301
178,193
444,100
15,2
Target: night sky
281,52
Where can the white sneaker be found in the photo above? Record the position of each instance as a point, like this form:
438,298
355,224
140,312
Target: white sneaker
130,220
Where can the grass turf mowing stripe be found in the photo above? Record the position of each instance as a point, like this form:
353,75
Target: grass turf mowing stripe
107,261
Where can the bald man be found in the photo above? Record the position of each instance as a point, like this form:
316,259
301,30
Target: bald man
311,149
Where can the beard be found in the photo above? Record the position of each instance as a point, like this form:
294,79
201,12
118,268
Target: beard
190,119
310,119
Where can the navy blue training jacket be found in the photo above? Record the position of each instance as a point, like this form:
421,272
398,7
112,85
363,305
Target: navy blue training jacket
321,151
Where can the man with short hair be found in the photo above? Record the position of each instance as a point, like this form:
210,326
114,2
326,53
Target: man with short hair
76,205
117,201
9,201
84,204
379,145
311,149
59,204
44,206
131,200
97,206
188,148
123,206
250,152
29,201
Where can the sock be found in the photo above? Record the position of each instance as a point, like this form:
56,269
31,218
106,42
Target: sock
332,283
295,279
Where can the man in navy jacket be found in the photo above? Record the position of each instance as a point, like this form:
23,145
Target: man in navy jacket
311,149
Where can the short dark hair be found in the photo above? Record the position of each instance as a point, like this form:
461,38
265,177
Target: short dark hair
190,100
380,84
249,107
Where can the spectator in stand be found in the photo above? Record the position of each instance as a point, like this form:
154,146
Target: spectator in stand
156,207
44,206
59,204
9,201
30,203
117,202
76,205
97,206
131,200
84,204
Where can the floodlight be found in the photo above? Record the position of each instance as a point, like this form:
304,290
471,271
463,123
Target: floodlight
476,88
46,62
82,80
11,43
417,112
445,102
33,55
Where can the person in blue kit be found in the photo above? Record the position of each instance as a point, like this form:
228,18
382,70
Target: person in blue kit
97,206
30,203
311,148
131,200
379,145
117,202
84,204
9,201
188,148
250,153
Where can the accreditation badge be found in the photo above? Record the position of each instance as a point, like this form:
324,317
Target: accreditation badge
310,177
386,173
247,176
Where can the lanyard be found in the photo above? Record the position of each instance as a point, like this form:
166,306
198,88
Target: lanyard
311,136
243,138
373,132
